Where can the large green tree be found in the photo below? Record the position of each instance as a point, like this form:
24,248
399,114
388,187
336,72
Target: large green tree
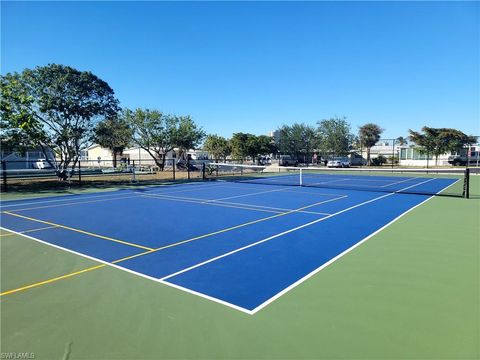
54,107
369,134
256,146
438,141
114,134
217,146
187,135
298,140
240,145
158,133
265,145
335,137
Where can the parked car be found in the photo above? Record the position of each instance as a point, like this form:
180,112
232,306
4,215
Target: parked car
41,164
338,163
264,160
287,160
458,160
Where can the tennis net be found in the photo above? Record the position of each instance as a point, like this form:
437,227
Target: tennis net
445,182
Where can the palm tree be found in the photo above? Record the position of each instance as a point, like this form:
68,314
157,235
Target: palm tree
369,135
401,141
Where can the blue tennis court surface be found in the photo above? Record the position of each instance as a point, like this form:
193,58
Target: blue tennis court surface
242,245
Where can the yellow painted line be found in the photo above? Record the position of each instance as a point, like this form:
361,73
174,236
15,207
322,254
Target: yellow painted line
8,292
79,231
134,256
203,202
29,231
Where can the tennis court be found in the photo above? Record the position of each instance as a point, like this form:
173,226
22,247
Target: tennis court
240,243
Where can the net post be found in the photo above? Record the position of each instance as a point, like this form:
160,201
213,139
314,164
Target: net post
188,167
203,171
301,177
4,175
466,186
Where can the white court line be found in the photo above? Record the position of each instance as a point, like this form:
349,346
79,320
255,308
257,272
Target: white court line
398,182
284,209
250,194
171,198
327,182
73,197
246,205
284,233
233,306
71,203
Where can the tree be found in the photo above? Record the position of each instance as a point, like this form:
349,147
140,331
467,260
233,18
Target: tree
369,135
187,135
239,145
218,146
335,137
55,107
298,140
16,120
114,134
266,145
401,141
158,134
438,141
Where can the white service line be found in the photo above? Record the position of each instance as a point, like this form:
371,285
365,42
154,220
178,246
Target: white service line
252,207
73,197
398,182
284,233
284,209
327,182
171,198
249,194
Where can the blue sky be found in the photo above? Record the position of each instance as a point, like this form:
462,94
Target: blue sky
254,66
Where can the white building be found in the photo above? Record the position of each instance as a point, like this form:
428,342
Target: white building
412,156
103,157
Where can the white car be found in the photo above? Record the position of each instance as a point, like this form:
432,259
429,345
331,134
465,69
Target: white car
338,163
41,164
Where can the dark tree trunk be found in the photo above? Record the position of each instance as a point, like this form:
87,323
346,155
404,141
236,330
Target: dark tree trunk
162,163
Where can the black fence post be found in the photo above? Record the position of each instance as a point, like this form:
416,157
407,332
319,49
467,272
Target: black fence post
4,175
203,171
393,153
466,189
79,173
188,167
